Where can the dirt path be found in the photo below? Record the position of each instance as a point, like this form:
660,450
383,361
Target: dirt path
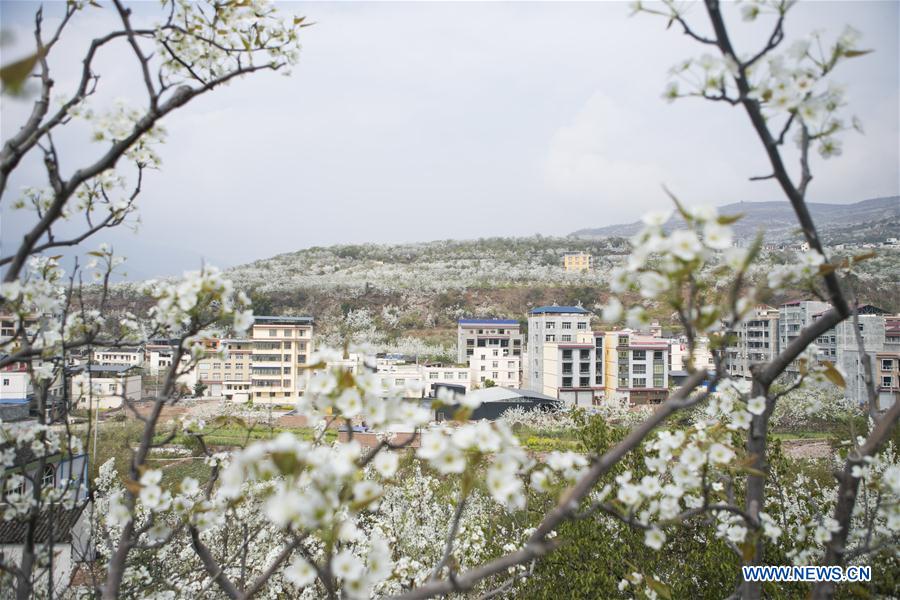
806,448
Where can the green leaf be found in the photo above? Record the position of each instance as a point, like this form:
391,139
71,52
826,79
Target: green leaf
14,75
833,375
729,219
659,587
684,213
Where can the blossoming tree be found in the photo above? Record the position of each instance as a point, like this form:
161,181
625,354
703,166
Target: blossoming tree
336,519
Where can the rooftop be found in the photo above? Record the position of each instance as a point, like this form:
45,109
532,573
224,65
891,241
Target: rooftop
503,394
488,322
273,320
553,310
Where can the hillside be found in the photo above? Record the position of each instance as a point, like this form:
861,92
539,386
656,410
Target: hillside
871,220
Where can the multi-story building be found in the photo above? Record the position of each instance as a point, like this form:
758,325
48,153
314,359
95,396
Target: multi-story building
570,370
158,355
281,347
547,325
497,365
636,366
132,357
755,341
578,261
434,375
227,372
396,374
502,334
841,347
794,317
678,355
887,378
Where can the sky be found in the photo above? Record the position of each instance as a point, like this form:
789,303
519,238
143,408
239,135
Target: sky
408,122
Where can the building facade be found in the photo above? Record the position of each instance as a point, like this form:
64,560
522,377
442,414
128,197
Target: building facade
494,364
502,334
570,371
578,261
549,325
280,351
755,341
636,367
104,386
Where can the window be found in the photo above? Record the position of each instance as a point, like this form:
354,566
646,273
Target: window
886,365
585,354
273,332
584,382
495,363
551,325
462,375
567,325
567,355
448,374
887,381
495,376
567,382
639,355
639,369
567,338
640,382
287,344
657,355
470,342
399,381
496,352
658,382
6,382
49,476
582,325
623,340
550,338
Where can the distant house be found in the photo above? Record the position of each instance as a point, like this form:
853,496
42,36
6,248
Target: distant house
497,400
503,335
577,261
104,386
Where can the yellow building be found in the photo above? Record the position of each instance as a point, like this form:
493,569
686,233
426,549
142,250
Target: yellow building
281,348
578,261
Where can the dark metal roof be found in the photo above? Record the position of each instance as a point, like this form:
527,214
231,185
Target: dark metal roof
57,521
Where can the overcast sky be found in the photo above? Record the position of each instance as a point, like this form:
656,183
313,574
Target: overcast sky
421,121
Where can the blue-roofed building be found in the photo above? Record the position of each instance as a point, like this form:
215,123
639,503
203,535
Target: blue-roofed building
498,338
551,324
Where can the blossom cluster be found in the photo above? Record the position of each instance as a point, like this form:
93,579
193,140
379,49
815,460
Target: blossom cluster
206,40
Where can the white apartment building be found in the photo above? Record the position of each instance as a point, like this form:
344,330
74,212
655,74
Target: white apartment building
678,355
502,334
402,375
496,365
755,341
570,370
433,375
549,325
636,367
132,357
281,347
